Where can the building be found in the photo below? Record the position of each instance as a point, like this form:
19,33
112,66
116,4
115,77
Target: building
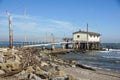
86,40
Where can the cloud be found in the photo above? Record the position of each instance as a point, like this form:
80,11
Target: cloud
24,16
61,23
37,25
63,26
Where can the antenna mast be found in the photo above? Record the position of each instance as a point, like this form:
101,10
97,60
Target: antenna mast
24,25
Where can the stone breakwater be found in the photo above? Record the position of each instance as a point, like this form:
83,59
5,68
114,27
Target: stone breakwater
37,64
32,64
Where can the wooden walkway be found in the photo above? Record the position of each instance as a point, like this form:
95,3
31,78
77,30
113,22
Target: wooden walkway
46,44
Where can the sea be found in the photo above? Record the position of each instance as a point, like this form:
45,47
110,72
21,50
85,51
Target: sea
108,60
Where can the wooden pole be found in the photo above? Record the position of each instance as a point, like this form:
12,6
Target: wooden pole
53,41
87,38
10,31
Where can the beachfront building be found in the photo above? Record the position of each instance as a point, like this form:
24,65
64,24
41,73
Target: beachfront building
86,40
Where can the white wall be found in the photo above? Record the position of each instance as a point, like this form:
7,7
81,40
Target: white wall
94,39
83,37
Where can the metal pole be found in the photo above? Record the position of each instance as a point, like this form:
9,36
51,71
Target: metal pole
46,37
52,37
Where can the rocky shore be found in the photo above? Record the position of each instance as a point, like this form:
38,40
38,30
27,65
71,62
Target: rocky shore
37,64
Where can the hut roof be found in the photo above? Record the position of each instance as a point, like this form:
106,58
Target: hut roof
91,33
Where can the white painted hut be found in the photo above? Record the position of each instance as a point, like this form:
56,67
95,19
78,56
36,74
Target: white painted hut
86,39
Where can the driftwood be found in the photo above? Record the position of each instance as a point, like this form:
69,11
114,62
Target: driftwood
10,73
85,67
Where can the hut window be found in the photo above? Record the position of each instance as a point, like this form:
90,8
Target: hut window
78,36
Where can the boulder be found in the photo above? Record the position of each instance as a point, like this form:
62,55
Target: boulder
73,62
73,66
15,66
9,52
4,50
23,75
37,58
1,59
5,67
37,68
20,56
57,68
46,68
70,77
10,61
43,64
30,69
60,61
2,54
2,72
32,76
60,73
22,72
53,64
44,76
38,71
17,59
59,78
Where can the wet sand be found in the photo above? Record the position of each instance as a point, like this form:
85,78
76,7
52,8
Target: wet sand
84,74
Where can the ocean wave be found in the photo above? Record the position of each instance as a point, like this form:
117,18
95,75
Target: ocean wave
110,50
117,62
114,57
114,50
98,60
96,67
104,51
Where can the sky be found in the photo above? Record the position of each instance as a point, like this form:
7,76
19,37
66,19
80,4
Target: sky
60,18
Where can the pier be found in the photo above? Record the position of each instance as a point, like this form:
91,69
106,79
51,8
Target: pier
83,40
